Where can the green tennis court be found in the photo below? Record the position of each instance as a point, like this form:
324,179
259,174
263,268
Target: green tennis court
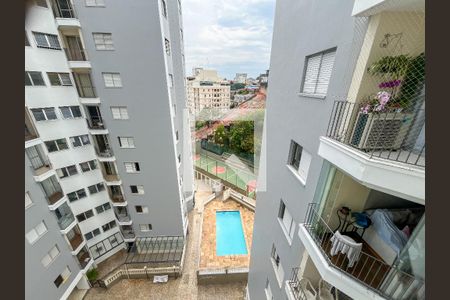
233,175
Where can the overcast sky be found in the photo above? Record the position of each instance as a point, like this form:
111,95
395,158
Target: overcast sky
231,36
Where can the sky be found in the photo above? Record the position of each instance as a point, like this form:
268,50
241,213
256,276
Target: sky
231,36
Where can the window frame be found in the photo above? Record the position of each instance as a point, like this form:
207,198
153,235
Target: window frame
282,213
114,81
88,163
134,168
167,46
139,189
85,215
307,58
45,111
60,79
32,81
110,225
79,139
80,194
96,4
127,144
149,227
38,235
97,36
97,188
102,208
30,202
46,35
71,109
51,256
66,172
57,145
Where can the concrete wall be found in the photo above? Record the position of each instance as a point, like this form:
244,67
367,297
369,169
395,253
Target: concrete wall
323,25
138,32
39,279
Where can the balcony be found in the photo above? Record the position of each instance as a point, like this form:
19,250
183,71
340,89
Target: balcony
127,232
102,148
75,238
122,215
77,58
64,216
52,190
65,16
39,162
84,257
85,88
30,130
367,276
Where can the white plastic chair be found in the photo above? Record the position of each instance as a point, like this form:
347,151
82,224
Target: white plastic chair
325,291
308,289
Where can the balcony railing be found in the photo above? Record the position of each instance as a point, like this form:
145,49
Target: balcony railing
66,220
75,54
375,274
106,152
117,198
296,288
63,9
123,217
76,241
55,197
95,123
392,134
86,91
83,258
128,234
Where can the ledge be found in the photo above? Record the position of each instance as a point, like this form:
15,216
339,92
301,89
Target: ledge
316,96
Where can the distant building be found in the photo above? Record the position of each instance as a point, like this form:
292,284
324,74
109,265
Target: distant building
263,78
241,78
206,90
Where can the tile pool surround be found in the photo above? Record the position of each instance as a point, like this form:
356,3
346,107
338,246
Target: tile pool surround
230,238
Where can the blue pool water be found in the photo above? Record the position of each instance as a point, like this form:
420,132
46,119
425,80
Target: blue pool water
230,238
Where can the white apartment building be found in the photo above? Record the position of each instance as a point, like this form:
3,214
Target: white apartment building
92,117
240,78
342,215
206,90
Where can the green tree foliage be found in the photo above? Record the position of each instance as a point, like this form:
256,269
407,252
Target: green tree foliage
237,86
221,135
242,137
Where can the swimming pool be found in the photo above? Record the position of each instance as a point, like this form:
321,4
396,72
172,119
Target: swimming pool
230,238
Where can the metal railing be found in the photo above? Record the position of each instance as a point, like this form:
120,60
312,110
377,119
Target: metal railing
296,288
128,234
63,9
392,134
375,274
76,240
86,91
75,54
107,152
95,123
123,217
66,220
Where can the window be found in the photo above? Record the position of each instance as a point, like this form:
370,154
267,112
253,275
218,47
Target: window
299,160
176,135
77,195
50,256
44,114
56,145
275,258
96,188
170,80
41,3
109,226
137,189
34,78
85,215
145,227
318,68
164,8
81,140
95,2
126,142
286,221
92,234
67,171
268,291
28,201
27,42
132,167
103,41
62,277
70,112
103,207
57,79
88,166
44,40
167,46
112,80
119,112
34,234
141,209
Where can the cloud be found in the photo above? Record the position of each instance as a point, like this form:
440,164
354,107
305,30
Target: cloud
228,35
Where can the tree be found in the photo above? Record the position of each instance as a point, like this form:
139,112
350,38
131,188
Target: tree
237,86
221,135
242,137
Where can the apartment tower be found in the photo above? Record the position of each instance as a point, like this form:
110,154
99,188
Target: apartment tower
106,161
344,154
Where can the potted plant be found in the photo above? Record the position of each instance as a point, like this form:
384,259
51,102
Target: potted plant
92,275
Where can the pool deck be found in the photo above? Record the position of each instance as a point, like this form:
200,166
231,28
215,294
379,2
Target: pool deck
208,257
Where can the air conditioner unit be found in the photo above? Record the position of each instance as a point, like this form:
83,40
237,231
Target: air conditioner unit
383,131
